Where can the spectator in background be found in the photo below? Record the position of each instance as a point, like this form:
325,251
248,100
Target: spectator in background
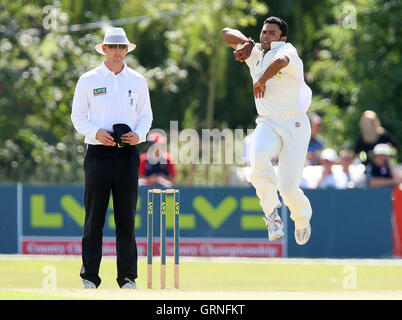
330,178
371,134
354,178
156,167
381,173
315,145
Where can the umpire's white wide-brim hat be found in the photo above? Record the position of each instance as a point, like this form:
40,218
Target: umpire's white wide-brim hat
115,36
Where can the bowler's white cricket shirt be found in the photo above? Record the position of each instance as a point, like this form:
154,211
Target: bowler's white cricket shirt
103,98
286,94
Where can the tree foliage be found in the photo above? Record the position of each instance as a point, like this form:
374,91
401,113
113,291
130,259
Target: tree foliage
358,67
192,75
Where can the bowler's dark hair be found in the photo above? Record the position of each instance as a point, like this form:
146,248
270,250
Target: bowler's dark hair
282,24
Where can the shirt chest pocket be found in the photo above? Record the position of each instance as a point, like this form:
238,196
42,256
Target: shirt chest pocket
98,98
131,101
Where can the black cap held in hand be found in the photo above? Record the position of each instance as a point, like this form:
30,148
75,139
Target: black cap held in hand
118,130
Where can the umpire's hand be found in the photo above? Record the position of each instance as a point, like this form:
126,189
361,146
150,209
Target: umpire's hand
131,138
103,136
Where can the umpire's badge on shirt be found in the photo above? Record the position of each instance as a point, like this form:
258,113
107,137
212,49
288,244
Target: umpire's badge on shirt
99,91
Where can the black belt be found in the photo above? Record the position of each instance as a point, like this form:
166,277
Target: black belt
102,146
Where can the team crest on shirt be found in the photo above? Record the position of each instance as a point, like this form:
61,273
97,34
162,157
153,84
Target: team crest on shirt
99,91
278,75
297,124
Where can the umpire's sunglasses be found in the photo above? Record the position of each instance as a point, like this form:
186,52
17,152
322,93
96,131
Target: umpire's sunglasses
114,46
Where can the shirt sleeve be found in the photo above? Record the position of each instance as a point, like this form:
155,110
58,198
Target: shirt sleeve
252,59
144,113
294,63
79,111
295,68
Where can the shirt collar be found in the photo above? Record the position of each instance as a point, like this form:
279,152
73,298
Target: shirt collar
106,71
277,44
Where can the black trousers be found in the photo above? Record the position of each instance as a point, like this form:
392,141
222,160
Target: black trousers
110,169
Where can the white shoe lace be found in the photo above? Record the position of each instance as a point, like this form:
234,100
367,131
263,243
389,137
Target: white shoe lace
273,227
273,217
273,222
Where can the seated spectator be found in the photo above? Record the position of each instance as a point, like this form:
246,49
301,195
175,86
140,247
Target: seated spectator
354,178
371,134
156,167
315,145
381,173
330,178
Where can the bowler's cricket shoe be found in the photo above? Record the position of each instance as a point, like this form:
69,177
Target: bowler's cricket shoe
303,235
274,226
86,284
129,284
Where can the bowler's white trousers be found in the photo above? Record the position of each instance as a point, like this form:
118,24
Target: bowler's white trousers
289,138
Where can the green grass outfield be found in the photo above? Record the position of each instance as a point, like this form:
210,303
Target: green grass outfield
57,277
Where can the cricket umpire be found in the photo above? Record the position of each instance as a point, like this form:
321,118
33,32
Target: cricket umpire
112,109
